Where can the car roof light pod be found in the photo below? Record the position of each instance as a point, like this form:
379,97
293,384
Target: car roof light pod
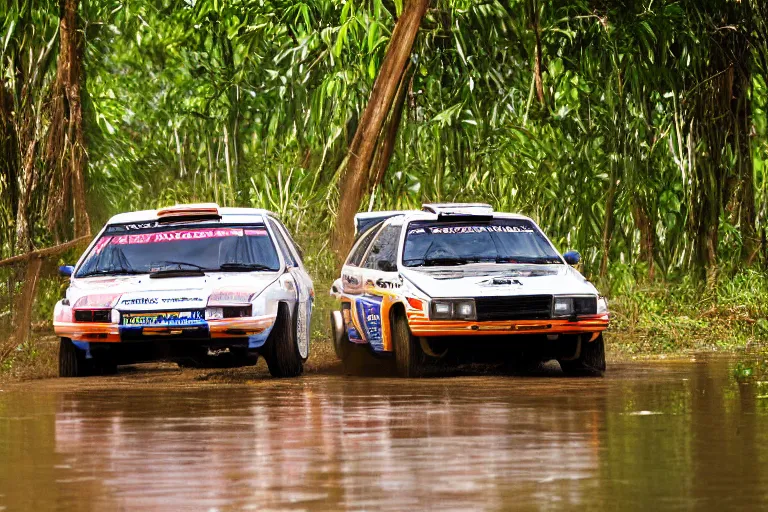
198,211
458,208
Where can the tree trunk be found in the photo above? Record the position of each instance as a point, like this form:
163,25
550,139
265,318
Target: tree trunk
608,223
644,224
389,137
26,300
534,6
353,183
65,151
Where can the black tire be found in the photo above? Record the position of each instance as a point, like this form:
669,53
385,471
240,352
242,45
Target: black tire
72,362
281,351
591,360
409,357
341,343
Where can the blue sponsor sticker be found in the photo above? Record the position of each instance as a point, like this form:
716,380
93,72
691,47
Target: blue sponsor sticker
162,318
369,315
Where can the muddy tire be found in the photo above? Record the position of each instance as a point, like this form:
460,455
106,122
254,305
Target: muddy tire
281,351
409,357
591,360
340,338
72,362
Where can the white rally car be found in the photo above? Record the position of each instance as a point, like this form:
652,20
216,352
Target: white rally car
461,278
197,284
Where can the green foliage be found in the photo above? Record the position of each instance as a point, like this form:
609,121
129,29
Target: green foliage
670,317
647,151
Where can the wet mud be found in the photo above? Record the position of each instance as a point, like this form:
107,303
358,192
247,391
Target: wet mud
679,435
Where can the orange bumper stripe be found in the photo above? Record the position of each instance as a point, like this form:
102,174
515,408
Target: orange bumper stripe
421,326
237,327
110,333
96,332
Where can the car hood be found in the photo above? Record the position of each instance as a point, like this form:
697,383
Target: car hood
142,293
483,280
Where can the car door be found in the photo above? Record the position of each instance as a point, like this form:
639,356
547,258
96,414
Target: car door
304,288
351,272
379,275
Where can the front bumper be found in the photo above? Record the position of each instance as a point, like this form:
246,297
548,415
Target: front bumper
421,325
250,327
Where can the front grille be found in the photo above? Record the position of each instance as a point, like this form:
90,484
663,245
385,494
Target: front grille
93,315
526,307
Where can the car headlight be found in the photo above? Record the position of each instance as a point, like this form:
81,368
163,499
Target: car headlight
563,306
459,309
602,305
230,297
574,306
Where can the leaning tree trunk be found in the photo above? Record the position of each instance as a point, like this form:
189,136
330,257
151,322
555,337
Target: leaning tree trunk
65,151
361,151
389,136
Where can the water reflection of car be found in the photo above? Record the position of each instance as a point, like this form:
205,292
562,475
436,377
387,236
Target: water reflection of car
462,278
196,284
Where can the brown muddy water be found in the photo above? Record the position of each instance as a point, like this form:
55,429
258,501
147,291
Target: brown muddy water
680,435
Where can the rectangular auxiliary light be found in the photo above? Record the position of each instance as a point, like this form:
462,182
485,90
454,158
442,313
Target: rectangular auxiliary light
198,211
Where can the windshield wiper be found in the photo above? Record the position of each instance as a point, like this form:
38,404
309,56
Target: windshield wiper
177,272
243,267
527,260
435,262
110,272
182,263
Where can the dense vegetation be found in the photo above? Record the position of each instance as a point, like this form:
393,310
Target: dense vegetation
633,131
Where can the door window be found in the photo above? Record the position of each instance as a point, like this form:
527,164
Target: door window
290,260
356,256
383,253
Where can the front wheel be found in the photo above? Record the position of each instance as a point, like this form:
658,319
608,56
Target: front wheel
72,361
339,336
591,359
409,356
281,350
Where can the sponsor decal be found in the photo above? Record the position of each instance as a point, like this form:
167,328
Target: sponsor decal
181,299
144,225
163,318
140,301
451,230
369,312
174,236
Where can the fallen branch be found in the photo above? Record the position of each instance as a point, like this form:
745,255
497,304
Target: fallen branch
48,251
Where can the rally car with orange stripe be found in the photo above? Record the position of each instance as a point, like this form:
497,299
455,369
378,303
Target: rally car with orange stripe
461,278
196,284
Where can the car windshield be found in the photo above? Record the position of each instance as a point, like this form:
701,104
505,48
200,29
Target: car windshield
438,243
230,249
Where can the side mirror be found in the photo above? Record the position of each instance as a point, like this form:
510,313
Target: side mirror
66,270
572,257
